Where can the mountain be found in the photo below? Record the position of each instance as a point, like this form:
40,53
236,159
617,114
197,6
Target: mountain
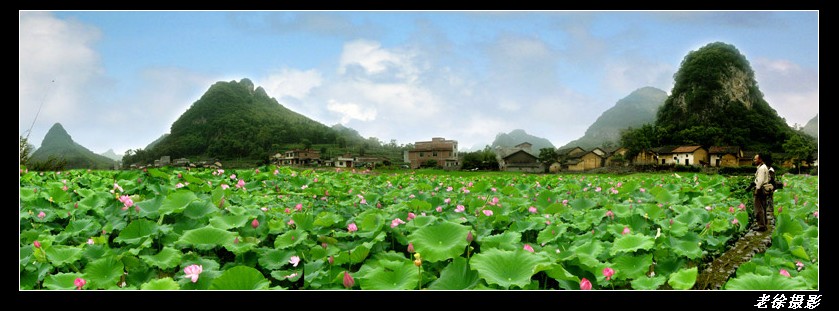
59,145
110,154
518,136
634,110
156,141
812,127
716,101
236,121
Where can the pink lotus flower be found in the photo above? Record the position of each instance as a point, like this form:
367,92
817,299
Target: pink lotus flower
816,214
352,227
564,202
643,190
331,259
240,184
731,209
449,188
532,210
784,272
396,222
625,230
459,209
79,282
348,280
255,223
528,248
410,247
290,222
608,273
411,215
179,185
298,207
64,188
708,208
742,206
800,265
233,177
41,215
734,222
192,271
90,241
488,212
585,284
294,260
610,214
780,209
469,238
37,244
224,186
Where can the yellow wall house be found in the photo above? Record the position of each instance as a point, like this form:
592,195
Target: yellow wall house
725,156
690,155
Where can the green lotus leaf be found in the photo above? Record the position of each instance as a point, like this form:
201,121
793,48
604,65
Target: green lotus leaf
290,239
104,272
648,283
83,227
274,259
150,207
303,221
687,245
57,194
810,275
27,194
632,267
629,243
228,221
582,204
137,231
97,201
775,281
176,202
558,272
439,241
551,233
240,278
508,240
200,209
62,281
664,196
506,268
397,275
153,172
207,237
742,220
60,255
327,219
167,258
455,276
683,279
785,224
161,284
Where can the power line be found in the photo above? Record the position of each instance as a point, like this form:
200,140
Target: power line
29,131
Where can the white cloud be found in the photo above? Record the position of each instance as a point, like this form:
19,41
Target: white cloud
375,60
292,83
57,67
792,90
349,111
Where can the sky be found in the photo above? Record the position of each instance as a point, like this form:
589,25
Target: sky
119,79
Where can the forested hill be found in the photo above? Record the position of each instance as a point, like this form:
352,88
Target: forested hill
634,110
234,120
59,145
812,127
716,101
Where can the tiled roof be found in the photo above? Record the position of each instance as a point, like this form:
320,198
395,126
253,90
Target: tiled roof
685,149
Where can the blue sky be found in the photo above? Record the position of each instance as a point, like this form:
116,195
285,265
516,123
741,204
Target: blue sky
118,79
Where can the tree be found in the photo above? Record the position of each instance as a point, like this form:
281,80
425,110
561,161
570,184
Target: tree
636,140
548,156
800,148
25,150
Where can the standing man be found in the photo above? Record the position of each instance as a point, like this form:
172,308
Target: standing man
761,178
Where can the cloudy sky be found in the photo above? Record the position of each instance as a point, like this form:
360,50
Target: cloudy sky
119,79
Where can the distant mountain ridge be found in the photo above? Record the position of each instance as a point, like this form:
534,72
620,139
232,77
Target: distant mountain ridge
812,127
110,154
518,136
59,144
634,110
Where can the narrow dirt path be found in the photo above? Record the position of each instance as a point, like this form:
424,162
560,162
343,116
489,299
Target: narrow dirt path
723,267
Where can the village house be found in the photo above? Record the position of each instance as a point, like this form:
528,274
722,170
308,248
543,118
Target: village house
442,151
585,161
725,156
616,156
299,157
690,155
519,159
344,161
